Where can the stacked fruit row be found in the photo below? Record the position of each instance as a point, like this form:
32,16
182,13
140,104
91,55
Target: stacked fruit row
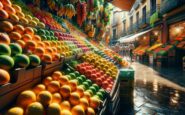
60,94
101,63
14,12
97,76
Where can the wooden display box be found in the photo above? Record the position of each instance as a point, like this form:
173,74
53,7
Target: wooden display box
49,68
19,77
7,99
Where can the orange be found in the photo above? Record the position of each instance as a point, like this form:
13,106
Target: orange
94,102
78,110
48,50
39,51
21,43
15,36
6,2
29,30
4,38
23,20
73,84
47,80
20,14
63,80
14,17
90,111
6,26
56,98
54,109
25,98
35,108
56,75
4,77
4,14
84,103
45,97
1,5
87,95
9,9
31,45
65,105
19,29
74,98
15,111
41,44
65,91
47,43
26,37
66,112
17,8
56,57
38,88
80,91
37,38
53,86
47,58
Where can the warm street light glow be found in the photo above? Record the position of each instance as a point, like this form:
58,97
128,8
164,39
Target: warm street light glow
177,29
156,33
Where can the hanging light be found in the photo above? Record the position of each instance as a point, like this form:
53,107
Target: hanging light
156,33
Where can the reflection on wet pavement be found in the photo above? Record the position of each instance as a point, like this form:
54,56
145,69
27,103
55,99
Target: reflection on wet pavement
153,95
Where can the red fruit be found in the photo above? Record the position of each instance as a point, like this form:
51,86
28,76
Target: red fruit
105,83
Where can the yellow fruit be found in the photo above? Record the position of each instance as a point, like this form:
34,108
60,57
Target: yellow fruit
94,102
15,111
77,110
47,80
74,98
40,87
53,86
66,112
87,95
63,80
35,108
90,111
65,105
45,97
84,103
65,91
80,91
73,84
25,98
54,109
56,98
56,75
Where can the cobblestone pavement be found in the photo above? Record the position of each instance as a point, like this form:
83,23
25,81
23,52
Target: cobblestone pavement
154,94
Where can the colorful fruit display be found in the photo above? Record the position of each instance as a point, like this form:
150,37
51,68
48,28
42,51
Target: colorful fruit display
60,94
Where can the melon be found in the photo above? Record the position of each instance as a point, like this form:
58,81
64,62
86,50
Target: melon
4,77
31,45
34,60
38,88
6,26
4,49
21,43
65,105
6,62
56,75
15,111
9,9
77,110
74,98
47,58
21,60
65,91
66,112
39,51
47,80
35,108
53,86
3,14
25,98
14,17
41,32
90,111
57,98
15,49
19,29
29,30
15,36
26,37
45,97
54,109
17,8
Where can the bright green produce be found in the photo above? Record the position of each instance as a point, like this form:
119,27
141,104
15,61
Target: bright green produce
6,62
21,60
15,49
34,60
5,49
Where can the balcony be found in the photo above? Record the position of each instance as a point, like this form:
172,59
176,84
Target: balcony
168,5
144,22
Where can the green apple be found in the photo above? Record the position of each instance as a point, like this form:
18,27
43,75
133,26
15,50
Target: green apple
69,77
86,84
83,77
90,91
89,81
77,73
100,95
93,89
80,80
73,76
96,86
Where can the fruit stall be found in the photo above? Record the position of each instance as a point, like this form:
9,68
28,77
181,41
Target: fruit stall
47,64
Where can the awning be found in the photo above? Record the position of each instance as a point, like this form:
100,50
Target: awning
123,4
132,38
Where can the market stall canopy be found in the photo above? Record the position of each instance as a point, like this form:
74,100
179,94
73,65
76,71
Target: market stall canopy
123,4
133,37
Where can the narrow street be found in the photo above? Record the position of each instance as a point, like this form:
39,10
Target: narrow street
154,94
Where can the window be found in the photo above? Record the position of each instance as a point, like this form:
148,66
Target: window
152,6
144,15
114,33
137,19
131,22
